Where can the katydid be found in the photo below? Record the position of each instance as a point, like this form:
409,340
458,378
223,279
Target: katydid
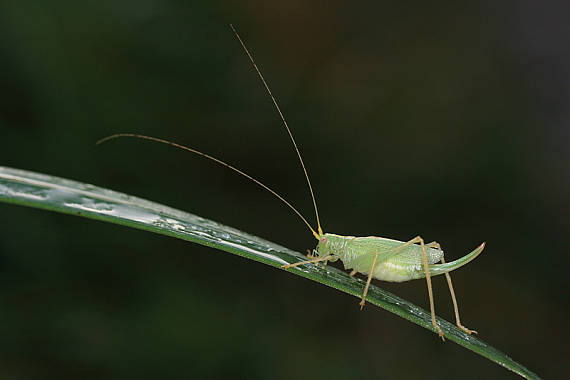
377,257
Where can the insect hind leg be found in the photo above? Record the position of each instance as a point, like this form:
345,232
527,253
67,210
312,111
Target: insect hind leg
452,292
418,239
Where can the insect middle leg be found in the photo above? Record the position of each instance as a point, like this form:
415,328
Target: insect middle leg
450,285
370,274
390,252
417,239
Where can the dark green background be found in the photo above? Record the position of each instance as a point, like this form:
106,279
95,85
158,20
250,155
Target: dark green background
441,119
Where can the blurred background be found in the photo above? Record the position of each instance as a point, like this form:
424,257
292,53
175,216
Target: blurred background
441,119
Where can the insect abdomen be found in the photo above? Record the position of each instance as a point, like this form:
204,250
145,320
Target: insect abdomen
396,272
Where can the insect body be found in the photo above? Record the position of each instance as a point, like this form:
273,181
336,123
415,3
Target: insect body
397,263
391,260
377,257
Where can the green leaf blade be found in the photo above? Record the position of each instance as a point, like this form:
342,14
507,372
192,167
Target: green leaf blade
75,198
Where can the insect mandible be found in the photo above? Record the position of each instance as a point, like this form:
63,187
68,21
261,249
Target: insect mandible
377,257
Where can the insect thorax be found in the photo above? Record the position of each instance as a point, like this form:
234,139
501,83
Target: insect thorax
331,244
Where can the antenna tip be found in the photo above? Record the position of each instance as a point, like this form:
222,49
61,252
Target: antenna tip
101,141
111,137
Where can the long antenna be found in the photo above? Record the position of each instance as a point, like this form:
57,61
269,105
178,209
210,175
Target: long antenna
284,123
317,236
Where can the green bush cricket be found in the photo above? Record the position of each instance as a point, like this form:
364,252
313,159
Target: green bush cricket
380,258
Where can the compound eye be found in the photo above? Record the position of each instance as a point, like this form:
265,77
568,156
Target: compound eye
323,239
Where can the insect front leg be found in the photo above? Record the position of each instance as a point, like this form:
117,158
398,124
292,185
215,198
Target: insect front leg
450,285
314,261
313,254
